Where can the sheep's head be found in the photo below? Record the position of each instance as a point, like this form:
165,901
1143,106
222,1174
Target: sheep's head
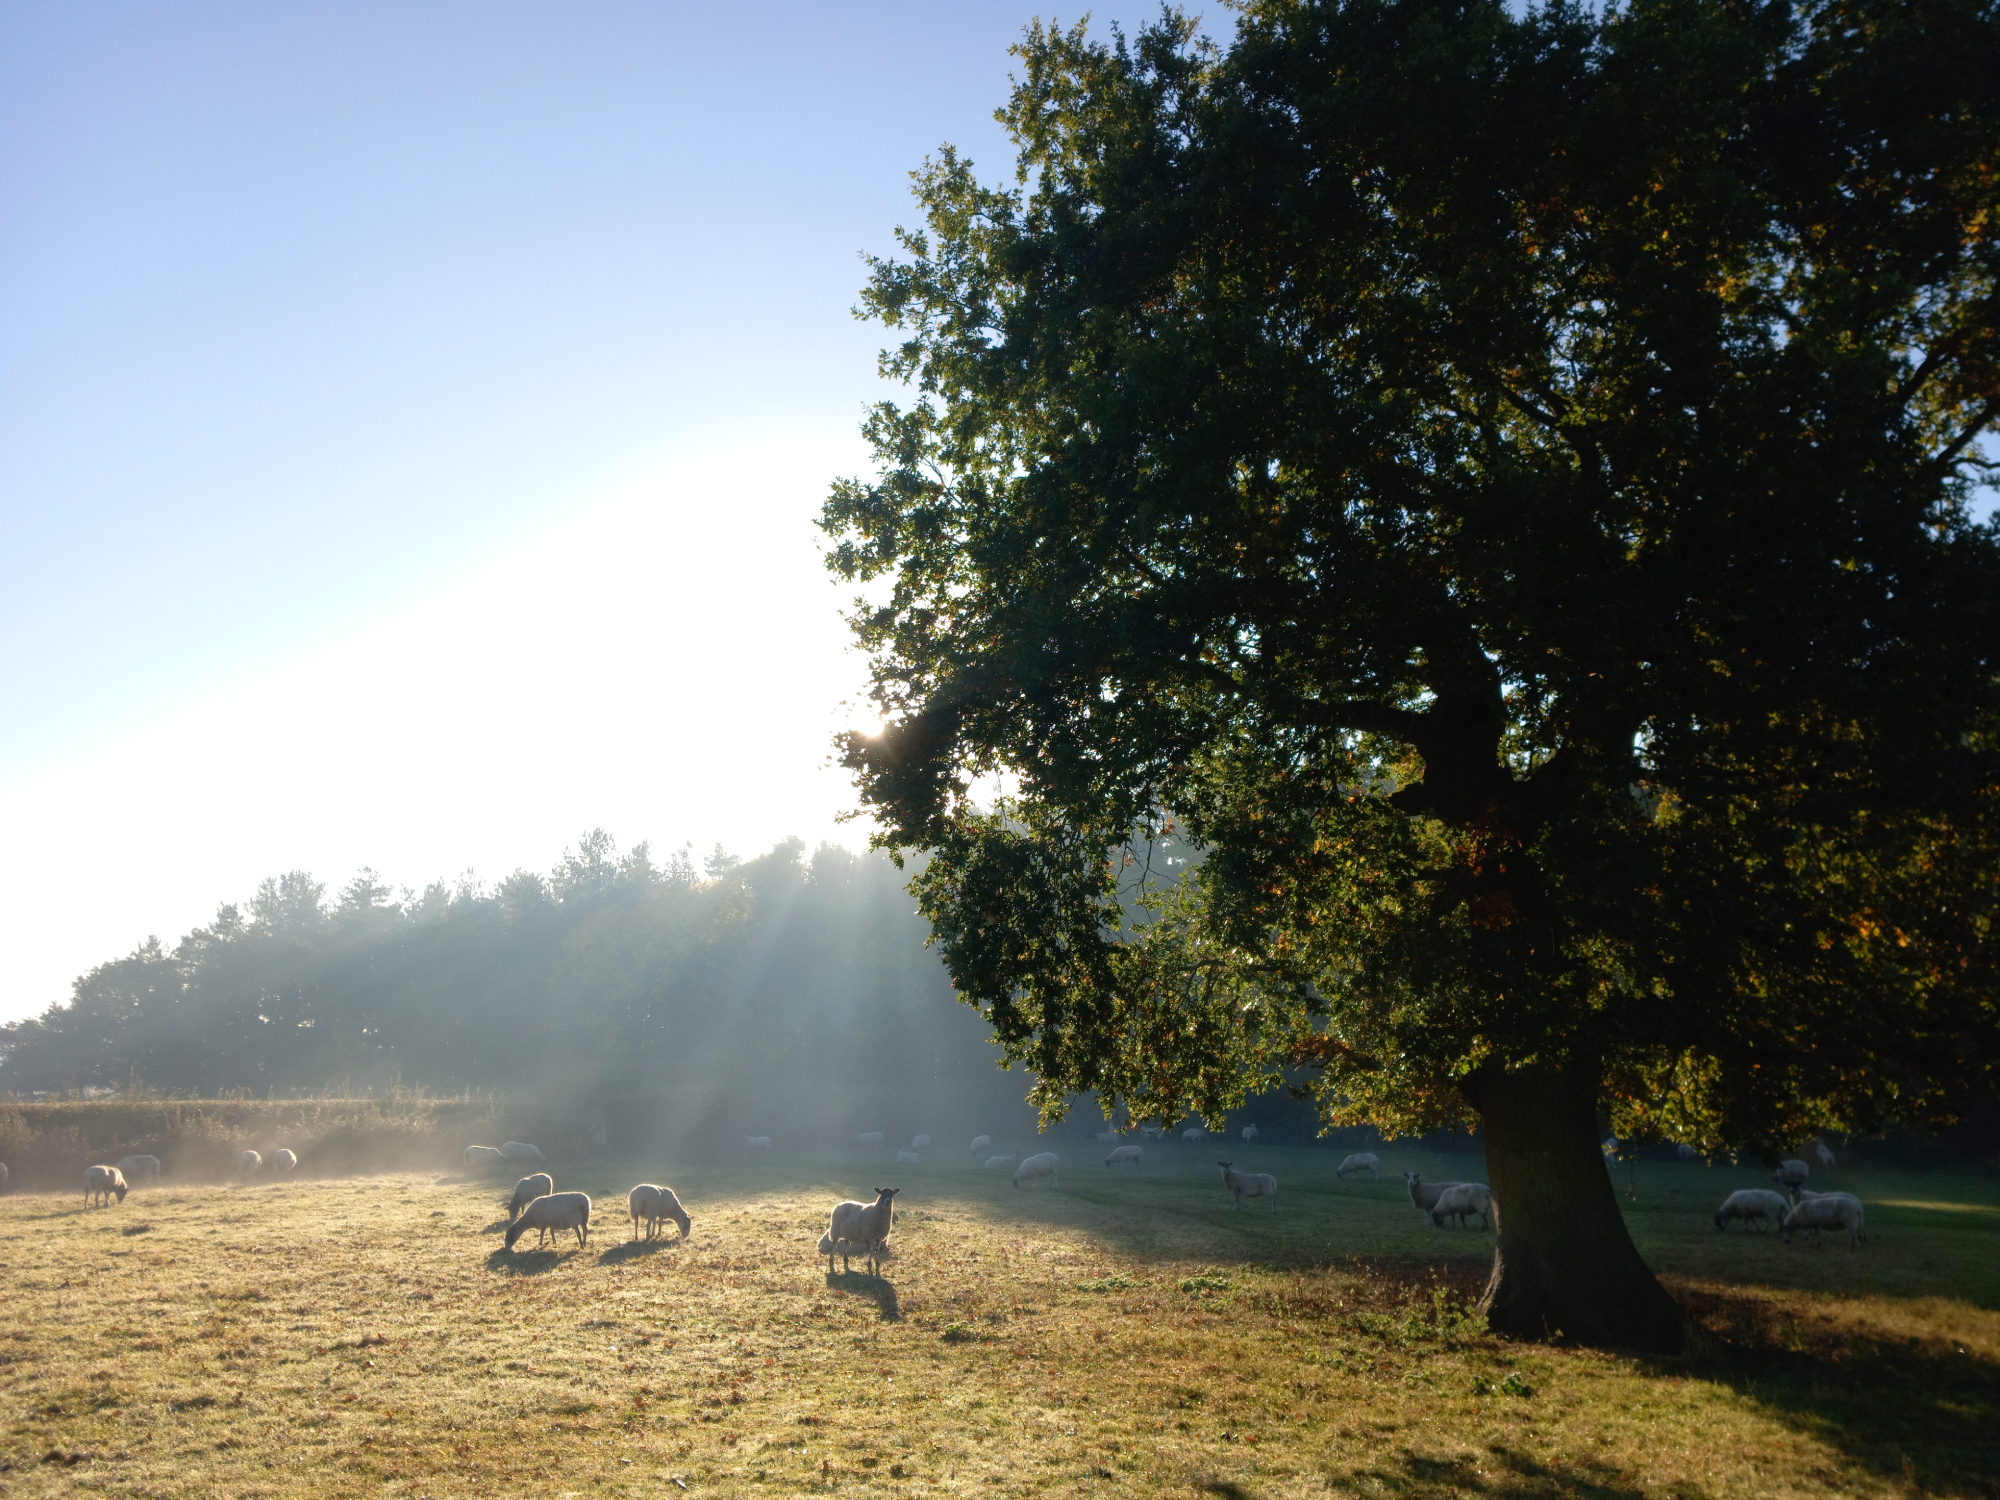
120,1191
1225,1165
883,1195
1413,1178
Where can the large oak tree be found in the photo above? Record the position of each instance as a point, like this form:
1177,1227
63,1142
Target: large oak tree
1503,490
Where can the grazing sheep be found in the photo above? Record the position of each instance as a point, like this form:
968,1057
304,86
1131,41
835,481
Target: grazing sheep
1423,1194
284,1160
1825,1154
921,1143
875,1253
526,1191
979,1144
1126,1156
1249,1132
653,1203
484,1158
137,1169
1817,1211
906,1158
247,1162
99,1183
1193,1133
1761,1204
1254,1184
1152,1132
869,1137
757,1143
1462,1199
1359,1162
861,1224
520,1151
554,1213
1032,1167
995,1162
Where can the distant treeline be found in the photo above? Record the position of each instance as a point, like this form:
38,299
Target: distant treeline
779,996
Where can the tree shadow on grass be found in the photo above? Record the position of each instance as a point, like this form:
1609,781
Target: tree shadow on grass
527,1262
1925,1413
630,1250
876,1289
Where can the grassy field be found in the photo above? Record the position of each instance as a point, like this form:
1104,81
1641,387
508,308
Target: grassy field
1122,1335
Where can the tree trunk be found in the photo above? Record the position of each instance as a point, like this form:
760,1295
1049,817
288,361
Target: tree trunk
1563,1265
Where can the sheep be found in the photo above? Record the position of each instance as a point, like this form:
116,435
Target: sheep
136,1168
1423,1194
652,1203
1825,1154
1031,1167
876,1252
861,1224
1461,1199
284,1160
483,1158
1152,1132
1106,1136
1359,1162
526,1191
1193,1133
1126,1156
994,1163
757,1143
1753,1203
520,1151
99,1183
1817,1211
921,1143
554,1212
247,1162
906,1158
979,1144
1255,1184
1249,1132
869,1137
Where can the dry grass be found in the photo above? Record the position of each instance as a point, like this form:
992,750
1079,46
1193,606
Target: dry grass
1120,1336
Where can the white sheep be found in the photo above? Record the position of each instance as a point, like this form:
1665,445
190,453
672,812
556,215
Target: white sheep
137,1169
869,1137
1126,1156
1791,1175
99,1183
484,1158
995,1163
1193,1133
906,1158
1249,1132
1817,1211
757,1143
1152,1132
860,1224
1425,1195
554,1213
921,1143
979,1144
652,1203
520,1151
526,1191
284,1160
1250,1184
247,1162
1461,1200
1359,1162
1761,1204
1031,1167
1825,1154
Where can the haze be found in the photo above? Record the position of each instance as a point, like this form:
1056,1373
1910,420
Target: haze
412,421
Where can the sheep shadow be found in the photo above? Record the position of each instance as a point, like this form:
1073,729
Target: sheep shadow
507,1262
1514,1474
877,1289
630,1250
498,1226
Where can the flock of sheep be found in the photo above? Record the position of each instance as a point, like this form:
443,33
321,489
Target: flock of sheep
861,1230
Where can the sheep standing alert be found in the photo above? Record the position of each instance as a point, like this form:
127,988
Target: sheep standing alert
652,1204
554,1213
526,1191
1791,1176
1763,1205
856,1228
1359,1162
1126,1156
99,1183
1249,1185
1423,1194
1044,1165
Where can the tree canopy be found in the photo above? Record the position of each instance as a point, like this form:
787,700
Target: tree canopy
1501,487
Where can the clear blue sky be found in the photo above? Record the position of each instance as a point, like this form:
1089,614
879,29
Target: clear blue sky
412,419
